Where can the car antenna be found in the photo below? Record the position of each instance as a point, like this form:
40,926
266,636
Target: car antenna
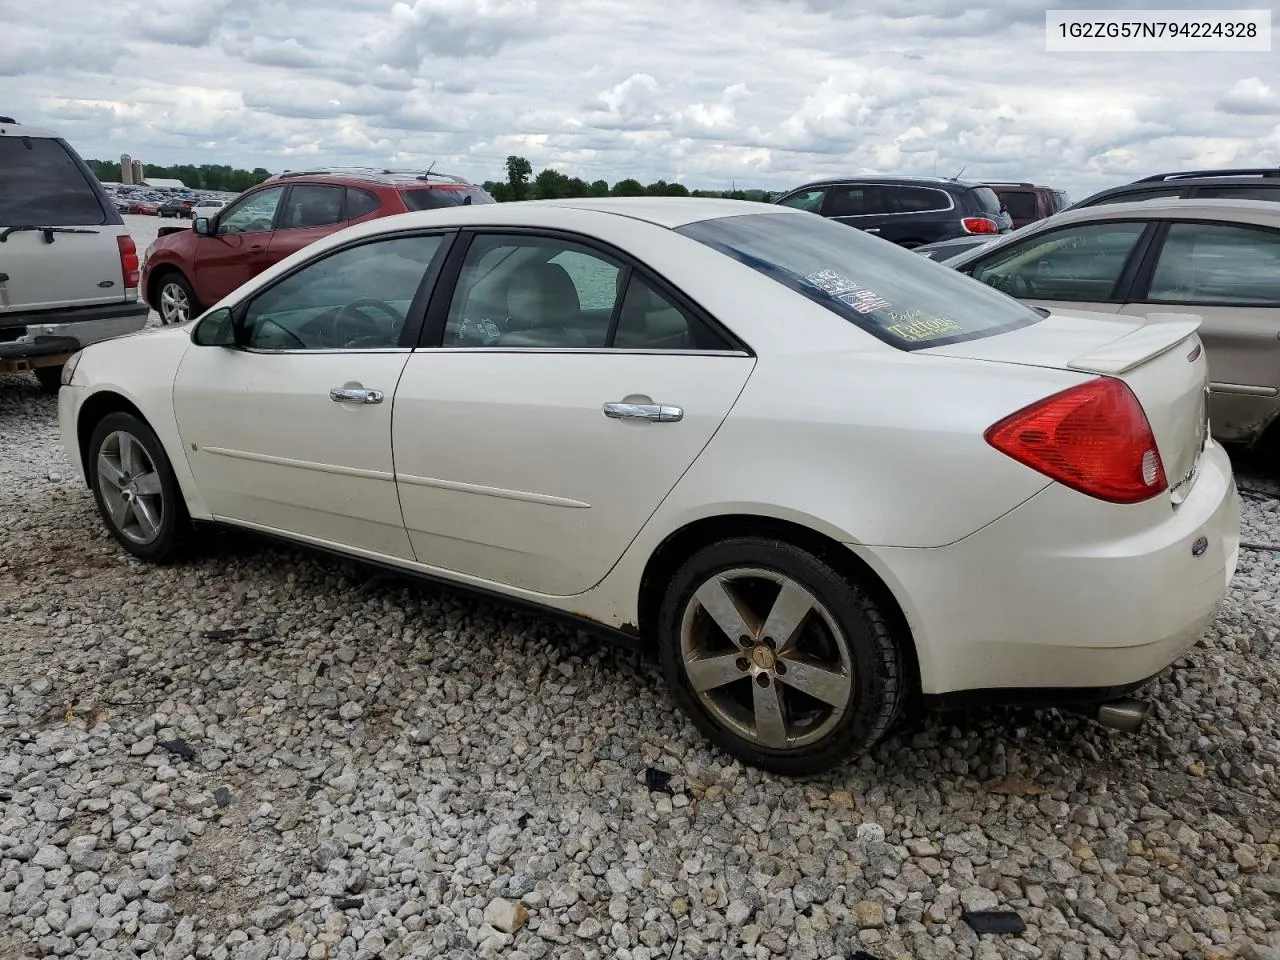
962,170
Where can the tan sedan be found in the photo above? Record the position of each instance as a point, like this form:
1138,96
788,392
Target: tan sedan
1219,259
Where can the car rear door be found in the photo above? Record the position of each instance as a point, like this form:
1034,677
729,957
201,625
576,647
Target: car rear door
309,211
77,262
564,396
1229,274
238,248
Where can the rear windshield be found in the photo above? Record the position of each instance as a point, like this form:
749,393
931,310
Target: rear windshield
899,296
986,200
433,198
1021,206
41,185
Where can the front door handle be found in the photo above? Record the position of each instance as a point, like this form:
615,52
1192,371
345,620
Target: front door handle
355,395
657,412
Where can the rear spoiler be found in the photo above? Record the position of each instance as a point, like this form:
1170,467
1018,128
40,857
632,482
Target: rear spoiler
1161,333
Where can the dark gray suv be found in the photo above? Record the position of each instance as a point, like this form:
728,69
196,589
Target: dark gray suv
1248,183
908,211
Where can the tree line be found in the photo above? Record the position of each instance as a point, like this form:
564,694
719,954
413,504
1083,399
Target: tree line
520,182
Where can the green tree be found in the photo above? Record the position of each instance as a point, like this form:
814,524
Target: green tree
628,188
550,185
598,188
519,170
676,190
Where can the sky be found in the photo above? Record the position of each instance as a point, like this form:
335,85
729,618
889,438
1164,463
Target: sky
711,93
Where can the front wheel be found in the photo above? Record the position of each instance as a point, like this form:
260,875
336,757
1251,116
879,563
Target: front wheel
777,657
135,488
177,301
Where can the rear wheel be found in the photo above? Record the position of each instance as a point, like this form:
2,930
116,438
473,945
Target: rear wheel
135,488
777,657
50,378
177,301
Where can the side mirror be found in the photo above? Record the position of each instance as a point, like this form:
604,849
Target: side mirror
202,226
215,329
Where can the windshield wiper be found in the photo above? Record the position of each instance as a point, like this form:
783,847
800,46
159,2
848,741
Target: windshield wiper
47,231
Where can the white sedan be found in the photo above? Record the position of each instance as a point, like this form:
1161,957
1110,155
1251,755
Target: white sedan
819,474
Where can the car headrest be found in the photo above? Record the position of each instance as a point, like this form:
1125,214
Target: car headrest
542,295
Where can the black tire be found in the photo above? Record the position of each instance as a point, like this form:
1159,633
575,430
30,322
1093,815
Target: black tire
878,685
174,522
50,378
175,278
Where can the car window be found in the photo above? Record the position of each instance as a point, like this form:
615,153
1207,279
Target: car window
917,199
986,201
451,195
649,320
855,200
595,280
1061,200
1218,264
810,200
311,205
1240,193
254,214
894,294
1075,263
42,185
1021,206
360,203
354,299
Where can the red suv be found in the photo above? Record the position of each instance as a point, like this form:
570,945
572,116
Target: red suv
188,270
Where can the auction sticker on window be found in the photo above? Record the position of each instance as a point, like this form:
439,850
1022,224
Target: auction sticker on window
914,327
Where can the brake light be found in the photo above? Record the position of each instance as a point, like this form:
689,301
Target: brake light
129,261
979,225
1094,438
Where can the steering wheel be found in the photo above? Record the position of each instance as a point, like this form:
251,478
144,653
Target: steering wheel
360,331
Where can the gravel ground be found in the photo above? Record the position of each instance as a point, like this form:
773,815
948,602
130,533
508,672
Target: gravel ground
261,753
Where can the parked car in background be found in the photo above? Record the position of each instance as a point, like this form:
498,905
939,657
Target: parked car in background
908,211
177,207
1217,259
1249,183
146,208
1027,203
554,401
207,207
68,267
187,270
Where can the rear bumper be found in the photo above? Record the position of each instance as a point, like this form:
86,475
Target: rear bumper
50,341
1067,593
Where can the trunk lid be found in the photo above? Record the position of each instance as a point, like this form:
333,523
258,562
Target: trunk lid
1159,356
76,270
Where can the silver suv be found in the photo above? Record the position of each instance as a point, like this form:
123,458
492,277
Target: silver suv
68,269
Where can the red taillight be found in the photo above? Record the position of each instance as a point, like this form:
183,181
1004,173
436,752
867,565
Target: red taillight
980,225
1094,438
129,261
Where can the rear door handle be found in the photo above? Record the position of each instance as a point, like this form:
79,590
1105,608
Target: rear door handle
657,412
355,395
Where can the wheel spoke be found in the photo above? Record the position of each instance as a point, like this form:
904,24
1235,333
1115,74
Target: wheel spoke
148,485
829,686
789,612
719,602
109,471
148,517
128,454
117,506
771,726
707,673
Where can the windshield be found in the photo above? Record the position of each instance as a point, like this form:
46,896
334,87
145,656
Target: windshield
903,298
432,198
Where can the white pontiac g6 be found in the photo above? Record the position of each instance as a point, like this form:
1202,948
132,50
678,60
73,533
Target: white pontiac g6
820,475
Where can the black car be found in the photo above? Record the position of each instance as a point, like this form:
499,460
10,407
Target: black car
909,211
178,207
1249,183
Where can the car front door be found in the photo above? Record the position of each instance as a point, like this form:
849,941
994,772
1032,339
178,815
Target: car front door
1229,274
310,211
290,430
562,397
236,251
1082,267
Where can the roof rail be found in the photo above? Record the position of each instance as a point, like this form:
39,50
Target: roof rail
1239,172
364,171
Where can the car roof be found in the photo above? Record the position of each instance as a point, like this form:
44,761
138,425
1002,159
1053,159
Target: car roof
1252,211
381,176
22,130
903,179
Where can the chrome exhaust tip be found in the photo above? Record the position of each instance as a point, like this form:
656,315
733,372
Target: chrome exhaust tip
1126,715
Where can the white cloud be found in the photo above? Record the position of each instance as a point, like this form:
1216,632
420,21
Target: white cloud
761,92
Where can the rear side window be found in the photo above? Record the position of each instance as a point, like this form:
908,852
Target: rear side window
1021,206
894,294
1240,193
916,199
433,198
41,185
1214,263
360,203
985,201
1061,200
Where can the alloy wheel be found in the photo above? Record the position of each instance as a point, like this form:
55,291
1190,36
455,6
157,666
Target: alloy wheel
130,487
766,658
175,305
